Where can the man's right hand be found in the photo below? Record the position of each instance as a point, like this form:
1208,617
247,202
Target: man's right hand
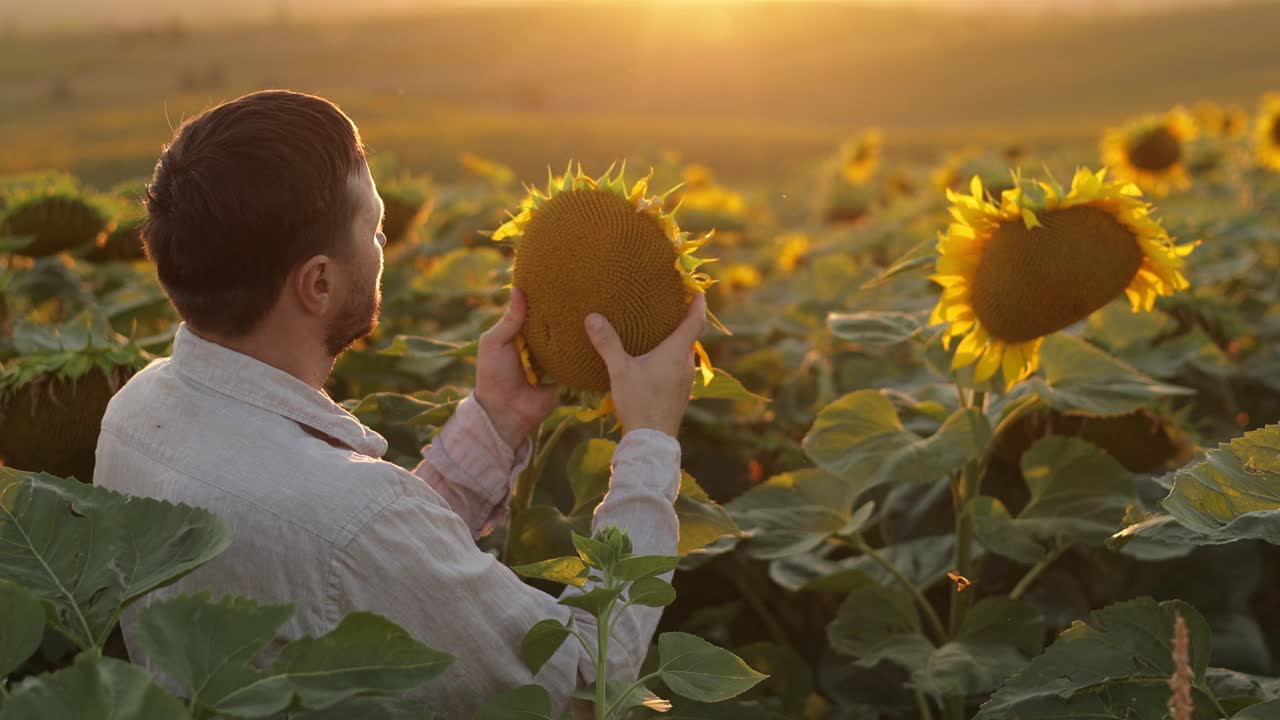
651,391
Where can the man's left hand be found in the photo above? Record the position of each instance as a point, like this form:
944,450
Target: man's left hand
515,407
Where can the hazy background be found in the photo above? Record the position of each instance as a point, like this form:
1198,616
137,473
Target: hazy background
755,89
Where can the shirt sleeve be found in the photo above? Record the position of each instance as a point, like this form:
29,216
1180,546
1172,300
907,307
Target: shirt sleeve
416,563
472,467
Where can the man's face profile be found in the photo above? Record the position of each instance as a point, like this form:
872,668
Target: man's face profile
361,263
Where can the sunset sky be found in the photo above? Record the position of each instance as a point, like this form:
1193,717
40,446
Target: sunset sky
39,14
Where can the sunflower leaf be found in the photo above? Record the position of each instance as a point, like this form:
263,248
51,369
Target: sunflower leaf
21,626
93,687
878,622
1079,377
1078,496
1233,493
875,328
998,638
1094,666
89,552
860,438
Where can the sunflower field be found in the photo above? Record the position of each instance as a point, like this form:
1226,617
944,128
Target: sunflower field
985,426
972,439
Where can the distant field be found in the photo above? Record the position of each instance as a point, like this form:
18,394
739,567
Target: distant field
755,92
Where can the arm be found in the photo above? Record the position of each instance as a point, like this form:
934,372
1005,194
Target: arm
472,463
472,467
416,563
642,492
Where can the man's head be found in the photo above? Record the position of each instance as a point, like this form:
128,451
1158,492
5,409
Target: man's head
261,210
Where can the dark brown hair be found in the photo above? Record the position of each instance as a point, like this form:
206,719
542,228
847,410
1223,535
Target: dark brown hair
246,192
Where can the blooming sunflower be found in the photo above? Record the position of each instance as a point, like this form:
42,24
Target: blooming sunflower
1150,151
1041,259
594,245
1222,120
706,205
860,157
792,249
1267,132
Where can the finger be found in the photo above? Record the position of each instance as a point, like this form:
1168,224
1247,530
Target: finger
690,329
506,329
606,341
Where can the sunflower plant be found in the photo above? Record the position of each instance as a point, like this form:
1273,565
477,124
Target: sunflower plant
1151,151
1266,134
1041,259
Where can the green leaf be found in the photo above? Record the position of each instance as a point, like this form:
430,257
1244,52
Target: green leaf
1262,711
642,566
527,702
1080,377
859,437
539,533
877,622
1098,661
1078,496
694,668
365,653
567,570
636,696
1000,533
594,601
464,271
723,387
1160,537
21,626
874,328
702,520
924,561
998,638
369,707
589,470
209,646
597,554
89,552
781,522
651,592
541,643
93,687
1233,492
790,676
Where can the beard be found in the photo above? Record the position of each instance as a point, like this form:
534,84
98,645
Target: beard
358,318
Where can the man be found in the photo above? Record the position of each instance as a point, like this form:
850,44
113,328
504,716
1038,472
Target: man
264,225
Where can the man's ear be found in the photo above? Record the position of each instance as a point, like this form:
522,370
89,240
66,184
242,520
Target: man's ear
312,285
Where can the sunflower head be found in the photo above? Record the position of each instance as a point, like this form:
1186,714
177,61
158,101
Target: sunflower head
1151,151
1041,259
1221,120
1267,132
56,218
705,205
588,245
793,248
740,276
860,157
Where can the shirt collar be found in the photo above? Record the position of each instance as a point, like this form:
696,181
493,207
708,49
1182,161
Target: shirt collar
254,382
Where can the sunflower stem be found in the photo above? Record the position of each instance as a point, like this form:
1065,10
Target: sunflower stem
922,704
1025,583
926,609
965,488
